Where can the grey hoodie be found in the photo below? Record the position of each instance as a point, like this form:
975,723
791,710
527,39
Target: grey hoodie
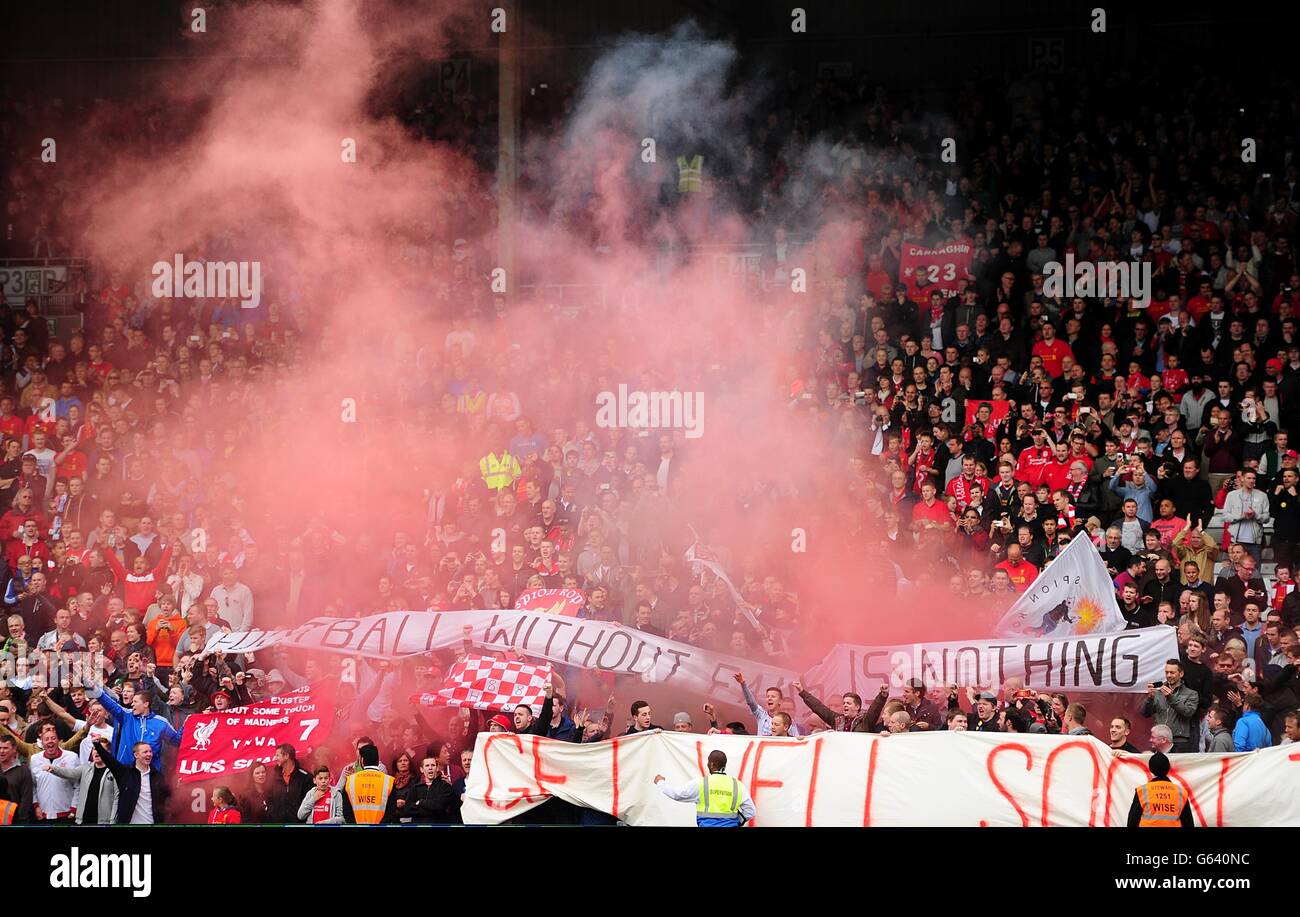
82,775
1220,742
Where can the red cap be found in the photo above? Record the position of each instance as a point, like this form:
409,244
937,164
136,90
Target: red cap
503,721
1274,365
1290,453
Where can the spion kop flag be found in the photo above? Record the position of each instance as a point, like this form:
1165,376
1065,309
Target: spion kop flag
1072,596
553,601
925,270
485,683
219,744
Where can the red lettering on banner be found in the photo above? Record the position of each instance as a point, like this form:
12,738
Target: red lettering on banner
543,779
812,783
1223,774
744,760
1029,765
755,783
699,758
871,783
1110,774
487,763
1191,797
614,773
1096,779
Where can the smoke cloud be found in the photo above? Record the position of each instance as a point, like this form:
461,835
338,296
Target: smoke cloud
244,161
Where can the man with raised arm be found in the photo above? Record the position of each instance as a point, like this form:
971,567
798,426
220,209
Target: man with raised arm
853,719
764,715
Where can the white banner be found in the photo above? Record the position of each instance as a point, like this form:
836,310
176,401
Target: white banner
941,779
1125,663
586,644
1072,596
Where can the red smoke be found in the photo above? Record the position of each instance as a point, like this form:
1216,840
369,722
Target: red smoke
244,163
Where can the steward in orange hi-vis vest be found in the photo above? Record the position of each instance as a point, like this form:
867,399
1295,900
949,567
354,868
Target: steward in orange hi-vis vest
1160,803
368,796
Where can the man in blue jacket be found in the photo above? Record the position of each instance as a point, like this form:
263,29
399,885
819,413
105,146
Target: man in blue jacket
139,724
1250,732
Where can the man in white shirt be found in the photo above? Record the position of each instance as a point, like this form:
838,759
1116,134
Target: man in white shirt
1291,732
142,792
199,615
234,600
97,726
664,474
185,584
55,798
1245,513
44,456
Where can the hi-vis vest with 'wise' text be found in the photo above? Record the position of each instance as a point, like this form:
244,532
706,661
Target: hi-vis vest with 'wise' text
368,791
1162,804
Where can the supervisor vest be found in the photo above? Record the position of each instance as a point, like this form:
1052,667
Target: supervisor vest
719,804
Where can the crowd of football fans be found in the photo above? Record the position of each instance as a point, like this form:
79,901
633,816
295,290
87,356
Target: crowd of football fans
976,426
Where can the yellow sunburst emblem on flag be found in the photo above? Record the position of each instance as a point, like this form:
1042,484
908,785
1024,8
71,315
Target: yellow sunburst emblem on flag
1087,616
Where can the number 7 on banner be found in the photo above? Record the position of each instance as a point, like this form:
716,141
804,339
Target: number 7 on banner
310,724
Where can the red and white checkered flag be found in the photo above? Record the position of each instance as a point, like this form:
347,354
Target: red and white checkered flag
486,683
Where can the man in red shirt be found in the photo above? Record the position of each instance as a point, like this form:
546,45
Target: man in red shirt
1199,304
24,509
931,513
1033,461
1052,350
1168,524
1079,450
71,462
140,586
1174,378
960,487
30,545
1056,474
1020,571
10,423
